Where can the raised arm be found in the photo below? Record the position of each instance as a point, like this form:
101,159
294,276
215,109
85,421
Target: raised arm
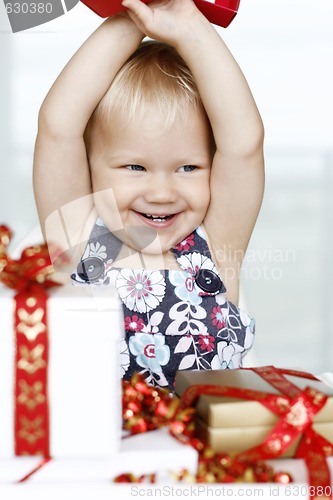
61,172
237,176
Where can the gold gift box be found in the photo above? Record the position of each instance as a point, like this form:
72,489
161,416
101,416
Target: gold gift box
235,425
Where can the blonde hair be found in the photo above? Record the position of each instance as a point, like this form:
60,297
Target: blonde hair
154,74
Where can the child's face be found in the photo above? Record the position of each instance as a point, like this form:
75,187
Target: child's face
159,177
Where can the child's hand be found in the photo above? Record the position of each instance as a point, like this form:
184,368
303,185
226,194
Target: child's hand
163,20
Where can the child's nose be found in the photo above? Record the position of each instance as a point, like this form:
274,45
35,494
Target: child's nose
161,189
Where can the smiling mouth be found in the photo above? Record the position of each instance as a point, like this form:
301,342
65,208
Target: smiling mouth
157,218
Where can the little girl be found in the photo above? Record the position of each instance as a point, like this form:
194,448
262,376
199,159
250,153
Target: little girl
152,155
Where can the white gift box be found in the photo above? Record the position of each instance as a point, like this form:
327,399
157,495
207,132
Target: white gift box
84,328
152,452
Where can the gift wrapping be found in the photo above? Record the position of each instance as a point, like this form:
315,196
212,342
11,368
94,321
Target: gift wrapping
239,439
153,452
233,424
233,412
220,12
225,411
83,373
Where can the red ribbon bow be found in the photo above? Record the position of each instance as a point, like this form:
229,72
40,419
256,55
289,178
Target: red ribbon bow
297,409
30,277
146,408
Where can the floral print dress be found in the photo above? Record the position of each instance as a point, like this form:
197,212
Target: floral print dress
173,319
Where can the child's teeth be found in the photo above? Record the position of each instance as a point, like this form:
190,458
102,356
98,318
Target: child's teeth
156,217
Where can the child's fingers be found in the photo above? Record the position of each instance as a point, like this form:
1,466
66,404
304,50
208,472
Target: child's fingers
139,9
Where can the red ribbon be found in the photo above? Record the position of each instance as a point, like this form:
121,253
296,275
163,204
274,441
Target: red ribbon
313,447
297,409
146,408
29,276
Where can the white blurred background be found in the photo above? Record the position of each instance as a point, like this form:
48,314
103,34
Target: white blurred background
285,48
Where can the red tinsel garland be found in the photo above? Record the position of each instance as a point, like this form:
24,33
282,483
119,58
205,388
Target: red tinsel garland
146,408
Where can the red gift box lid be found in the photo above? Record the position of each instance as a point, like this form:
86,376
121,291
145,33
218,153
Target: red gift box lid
220,12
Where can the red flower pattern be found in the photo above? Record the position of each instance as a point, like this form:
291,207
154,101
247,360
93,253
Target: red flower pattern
186,244
217,317
134,323
206,342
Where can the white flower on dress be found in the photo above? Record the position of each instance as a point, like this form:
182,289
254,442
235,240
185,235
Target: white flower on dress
95,250
193,262
112,275
150,350
186,287
221,299
140,290
124,357
153,322
229,355
249,335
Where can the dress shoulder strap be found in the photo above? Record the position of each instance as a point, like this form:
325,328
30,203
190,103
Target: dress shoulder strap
193,255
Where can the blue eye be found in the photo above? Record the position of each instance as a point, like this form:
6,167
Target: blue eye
187,168
135,168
